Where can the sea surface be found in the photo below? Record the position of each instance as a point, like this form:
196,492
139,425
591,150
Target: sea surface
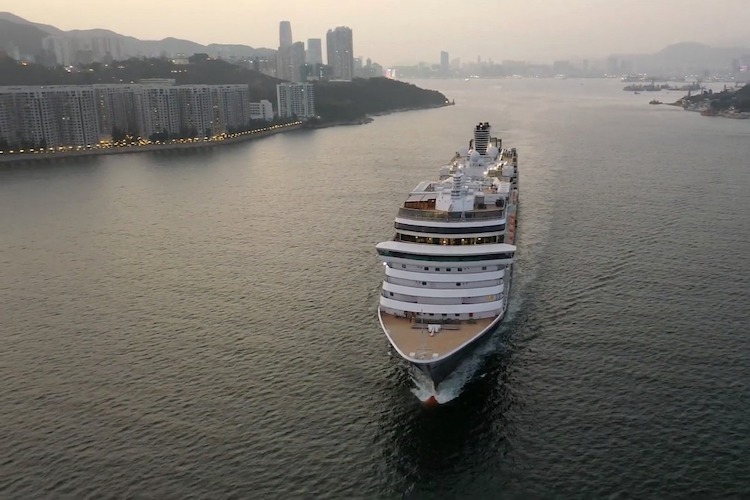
203,324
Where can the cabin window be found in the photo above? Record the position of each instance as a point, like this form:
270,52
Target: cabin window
391,293
424,283
426,268
448,269
458,284
460,269
484,268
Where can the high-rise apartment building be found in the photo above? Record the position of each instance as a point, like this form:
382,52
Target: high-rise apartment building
234,105
53,116
314,51
340,48
118,110
161,110
21,118
295,100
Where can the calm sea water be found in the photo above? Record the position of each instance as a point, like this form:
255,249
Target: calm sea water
203,325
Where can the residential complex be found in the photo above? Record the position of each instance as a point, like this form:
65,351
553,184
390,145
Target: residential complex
48,116
81,115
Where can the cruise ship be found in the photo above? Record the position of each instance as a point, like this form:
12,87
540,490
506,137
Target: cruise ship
448,267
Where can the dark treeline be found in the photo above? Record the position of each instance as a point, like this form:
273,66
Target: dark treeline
740,100
341,101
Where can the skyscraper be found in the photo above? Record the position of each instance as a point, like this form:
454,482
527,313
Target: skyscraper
340,50
314,51
296,61
284,63
445,65
285,34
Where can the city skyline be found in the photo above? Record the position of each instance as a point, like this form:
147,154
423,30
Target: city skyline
535,30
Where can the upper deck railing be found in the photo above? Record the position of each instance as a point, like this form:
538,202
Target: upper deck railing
414,213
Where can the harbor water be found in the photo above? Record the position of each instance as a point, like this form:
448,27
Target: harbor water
203,324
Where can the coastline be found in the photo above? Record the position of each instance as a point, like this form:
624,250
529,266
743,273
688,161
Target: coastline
369,117
37,157
22,158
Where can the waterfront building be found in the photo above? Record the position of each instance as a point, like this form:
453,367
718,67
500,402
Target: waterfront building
295,100
21,122
161,111
314,53
196,111
119,110
340,48
262,110
83,115
234,106
52,116
72,110
209,110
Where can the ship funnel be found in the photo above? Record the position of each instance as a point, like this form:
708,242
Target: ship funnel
481,137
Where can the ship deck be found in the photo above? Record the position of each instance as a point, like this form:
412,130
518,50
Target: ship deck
415,340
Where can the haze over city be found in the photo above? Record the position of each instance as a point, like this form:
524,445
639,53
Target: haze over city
406,32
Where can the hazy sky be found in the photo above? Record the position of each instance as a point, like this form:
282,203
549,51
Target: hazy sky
407,31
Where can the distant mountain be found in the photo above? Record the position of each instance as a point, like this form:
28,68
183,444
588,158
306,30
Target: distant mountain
26,38
19,20
23,39
685,58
